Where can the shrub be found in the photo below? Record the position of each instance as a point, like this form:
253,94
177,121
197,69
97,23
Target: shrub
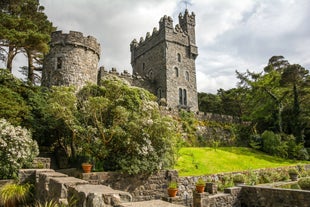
17,149
173,185
239,178
304,183
271,143
292,171
15,195
200,182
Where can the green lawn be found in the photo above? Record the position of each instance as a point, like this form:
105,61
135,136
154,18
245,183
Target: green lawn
201,161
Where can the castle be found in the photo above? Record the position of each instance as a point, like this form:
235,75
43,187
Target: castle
163,63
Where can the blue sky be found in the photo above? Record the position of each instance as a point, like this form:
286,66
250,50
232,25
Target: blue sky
230,35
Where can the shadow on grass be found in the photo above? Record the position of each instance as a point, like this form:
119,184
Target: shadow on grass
259,155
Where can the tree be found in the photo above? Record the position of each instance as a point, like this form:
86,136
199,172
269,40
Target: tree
115,117
24,28
296,77
13,106
208,102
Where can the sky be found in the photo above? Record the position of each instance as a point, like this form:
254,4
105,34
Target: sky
230,35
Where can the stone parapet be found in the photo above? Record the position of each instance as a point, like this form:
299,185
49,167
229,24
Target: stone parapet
41,162
76,39
268,196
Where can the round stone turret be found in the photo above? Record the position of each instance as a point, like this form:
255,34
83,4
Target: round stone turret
72,60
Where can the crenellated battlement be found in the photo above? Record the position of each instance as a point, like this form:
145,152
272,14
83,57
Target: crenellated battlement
125,74
187,18
76,39
134,80
165,25
167,32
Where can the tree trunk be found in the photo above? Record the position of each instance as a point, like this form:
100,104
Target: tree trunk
298,129
30,67
11,54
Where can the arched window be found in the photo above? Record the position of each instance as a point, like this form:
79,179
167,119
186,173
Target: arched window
180,96
179,57
176,72
184,97
151,74
187,75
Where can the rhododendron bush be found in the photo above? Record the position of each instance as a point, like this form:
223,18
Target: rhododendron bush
17,149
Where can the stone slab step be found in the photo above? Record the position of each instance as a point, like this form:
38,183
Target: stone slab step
152,203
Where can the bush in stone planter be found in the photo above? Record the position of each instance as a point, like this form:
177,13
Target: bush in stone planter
293,173
304,183
238,179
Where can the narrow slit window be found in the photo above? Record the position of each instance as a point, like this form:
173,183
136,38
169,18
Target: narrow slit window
59,63
179,57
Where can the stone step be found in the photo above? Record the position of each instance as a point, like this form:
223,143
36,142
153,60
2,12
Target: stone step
152,203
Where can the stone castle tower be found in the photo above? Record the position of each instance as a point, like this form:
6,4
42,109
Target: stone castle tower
167,59
72,60
163,63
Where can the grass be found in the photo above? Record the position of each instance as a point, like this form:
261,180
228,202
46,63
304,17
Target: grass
202,161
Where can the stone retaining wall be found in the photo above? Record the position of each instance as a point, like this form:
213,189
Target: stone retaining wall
41,162
265,196
51,185
150,187
230,198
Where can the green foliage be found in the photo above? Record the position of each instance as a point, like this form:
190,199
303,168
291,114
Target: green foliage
304,183
15,195
189,126
200,181
208,102
238,178
293,171
17,149
24,28
271,143
118,125
277,102
173,185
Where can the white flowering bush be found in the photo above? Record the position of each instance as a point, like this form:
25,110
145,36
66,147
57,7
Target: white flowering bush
17,149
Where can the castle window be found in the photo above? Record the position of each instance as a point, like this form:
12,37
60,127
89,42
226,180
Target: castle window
151,74
59,63
143,67
182,97
187,75
159,93
176,72
179,57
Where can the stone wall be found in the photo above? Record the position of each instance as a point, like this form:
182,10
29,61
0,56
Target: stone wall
150,187
230,198
41,162
141,187
51,185
267,197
